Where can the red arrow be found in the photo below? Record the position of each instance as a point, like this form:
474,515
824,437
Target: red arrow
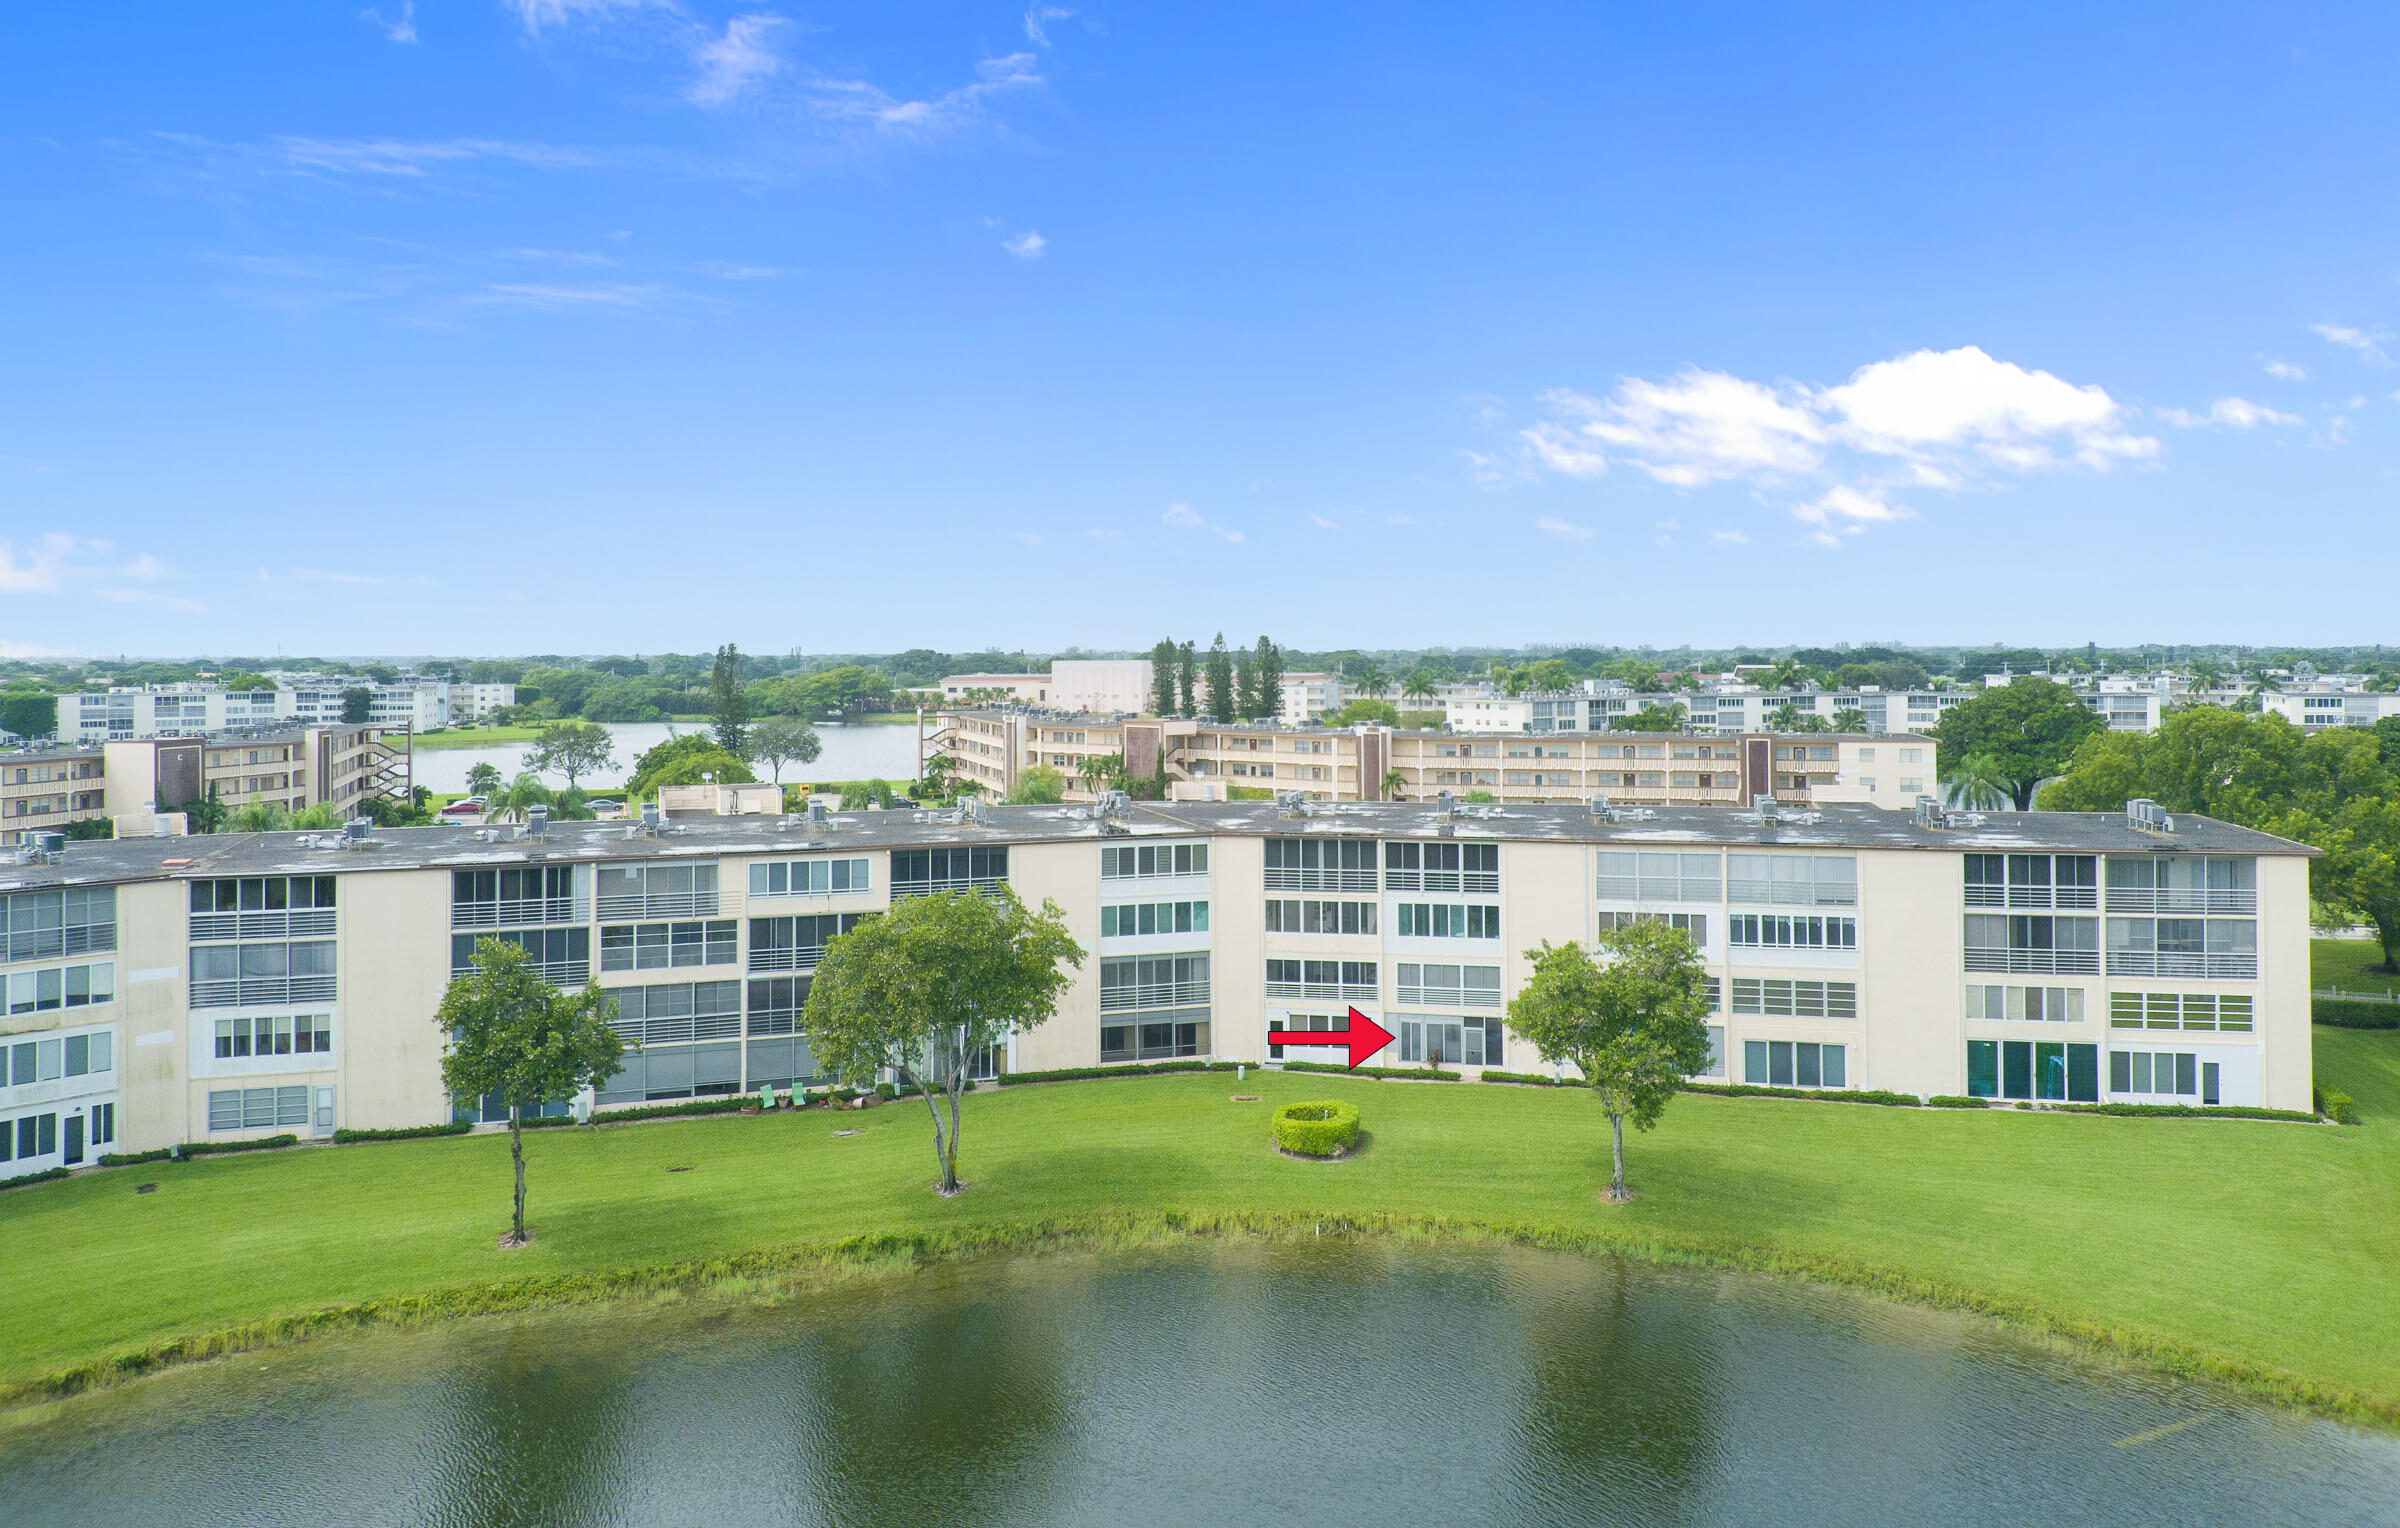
1364,1037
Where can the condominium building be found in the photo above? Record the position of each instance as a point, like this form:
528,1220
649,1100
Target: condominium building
42,789
135,780
169,990
995,746
194,710
1073,684
1309,698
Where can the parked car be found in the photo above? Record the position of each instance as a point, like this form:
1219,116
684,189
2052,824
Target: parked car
465,806
604,809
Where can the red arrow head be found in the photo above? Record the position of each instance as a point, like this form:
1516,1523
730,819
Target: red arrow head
1366,1037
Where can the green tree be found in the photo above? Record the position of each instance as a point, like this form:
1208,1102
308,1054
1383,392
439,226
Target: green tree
1220,681
1267,667
781,740
728,707
205,814
244,682
1849,719
573,749
2387,741
1038,785
1558,674
358,704
1395,785
686,758
924,990
1666,718
521,796
1419,686
709,766
1976,785
1634,1025
261,817
1245,685
1365,709
2029,730
858,795
29,713
91,827
483,779
1368,678
512,1033
1636,674
1163,659
1187,679
317,817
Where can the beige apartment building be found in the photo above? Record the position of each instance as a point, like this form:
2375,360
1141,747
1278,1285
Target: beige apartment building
169,990
44,789
993,746
134,780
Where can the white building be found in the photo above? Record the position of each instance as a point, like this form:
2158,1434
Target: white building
1111,685
192,710
470,701
1310,698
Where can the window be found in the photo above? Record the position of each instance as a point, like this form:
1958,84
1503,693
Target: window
2225,948
1795,999
1357,979
2229,1012
38,991
1153,981
809,877
921,872
1154,1041
2182,883
1794,1064
2037,1005
657,946
1287,916
1450,1042
257,1108
658,891
775,1004
2032,944
1716,1053
796,944
2171,1074
1448,986
230,975
561,956
1441,867
261,907
1132,919
30,1135
1129,861
1659,877
1313,864
1801,880
1790,931
2033,1069
2032,880
276,1035
1694,924
1443,920
72,922
678,1011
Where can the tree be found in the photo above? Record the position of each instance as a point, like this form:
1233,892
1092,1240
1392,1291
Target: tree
1634,673
358,704
858,795
1163,659
521,796
261,817
1220,681
1633,1026
1976,785
86,828
1368,678
28,713
1266,670
1395,784
512,1033
244,682
1187,678
925,989
708,766
1039,785
573,749
1365,710
205,814
1245,684
1666,718
941,776
781,740
317,817
673,755
1557,674
1784,718
483,779
728,707
2028,729
1418,686
1849,719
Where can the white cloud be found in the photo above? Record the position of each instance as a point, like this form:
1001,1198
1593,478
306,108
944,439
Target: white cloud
1035,17
2288,371
1699,428
730,64
2367,342
1566,530
60,564
1026,246
1030,538
1105,533
1325,524
1729,538
1399,520
1845,511
537,14
402,30
1184,517
2234,413
1931,401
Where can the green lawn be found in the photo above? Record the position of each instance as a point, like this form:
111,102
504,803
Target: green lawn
474,737
2343,963
2271,1248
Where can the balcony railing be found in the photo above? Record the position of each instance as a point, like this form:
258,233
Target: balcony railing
1747,889
82,938
1326,880
659,904
2035,962
212,928
797,957
512,912
928,888
2182,899
1440,997
1327,992
2032,896
242,992
2219,967
682,1027
1153,995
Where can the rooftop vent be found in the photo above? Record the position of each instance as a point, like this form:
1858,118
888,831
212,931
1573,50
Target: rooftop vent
1600,806
818,818
1291,803
355,831
651,818
2144,815
1929,813
537,821
1445,803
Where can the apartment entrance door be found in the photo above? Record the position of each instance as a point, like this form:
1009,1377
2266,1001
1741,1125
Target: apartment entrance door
74,1153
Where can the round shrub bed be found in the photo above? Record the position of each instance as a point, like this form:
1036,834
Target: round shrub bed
1320,1128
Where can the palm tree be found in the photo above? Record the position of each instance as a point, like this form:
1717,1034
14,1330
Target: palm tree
523,793
1849,719
1369,679
1784,718
483,780
322,815
1394,783
1419,686
1976,785
2261,683
1787,674
260,817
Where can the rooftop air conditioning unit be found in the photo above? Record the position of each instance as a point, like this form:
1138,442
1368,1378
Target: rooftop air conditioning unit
650,817
1929,812
817,815
537,821
1599,806
1445,803
355,831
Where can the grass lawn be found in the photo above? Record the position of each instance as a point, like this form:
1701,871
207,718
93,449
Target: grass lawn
2272,1248
2343,963
474,737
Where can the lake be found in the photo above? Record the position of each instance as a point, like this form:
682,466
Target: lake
1322,1384
879,750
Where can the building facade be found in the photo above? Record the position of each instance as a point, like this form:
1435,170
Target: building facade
197,710
170,990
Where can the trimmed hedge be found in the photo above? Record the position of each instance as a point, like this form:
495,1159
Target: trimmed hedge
730,1104
1956,1101
1401,1073
131,1158
2183,1111
408,1133
1127,1069
2339,1107
2355,1013
24,1178
1324,1127
1529,1080
1882,1096
219,1148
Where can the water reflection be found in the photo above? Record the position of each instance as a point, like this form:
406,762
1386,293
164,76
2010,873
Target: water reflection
1319,1383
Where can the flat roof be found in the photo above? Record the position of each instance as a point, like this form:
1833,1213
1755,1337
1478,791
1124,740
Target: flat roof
111,861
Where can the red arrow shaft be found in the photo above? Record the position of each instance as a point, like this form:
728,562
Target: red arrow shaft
1341,1037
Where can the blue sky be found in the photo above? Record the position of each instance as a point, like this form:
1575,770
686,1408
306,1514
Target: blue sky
563,325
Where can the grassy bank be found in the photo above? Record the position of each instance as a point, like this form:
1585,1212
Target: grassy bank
2343,963
2268,1253
473,737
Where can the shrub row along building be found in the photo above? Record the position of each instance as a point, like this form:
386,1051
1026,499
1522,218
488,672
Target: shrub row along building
186,989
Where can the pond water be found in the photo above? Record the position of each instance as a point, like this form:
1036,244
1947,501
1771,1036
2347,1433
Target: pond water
1321,1384
875,750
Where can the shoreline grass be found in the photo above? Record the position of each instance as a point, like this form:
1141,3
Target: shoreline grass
2343,963
2259,1255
